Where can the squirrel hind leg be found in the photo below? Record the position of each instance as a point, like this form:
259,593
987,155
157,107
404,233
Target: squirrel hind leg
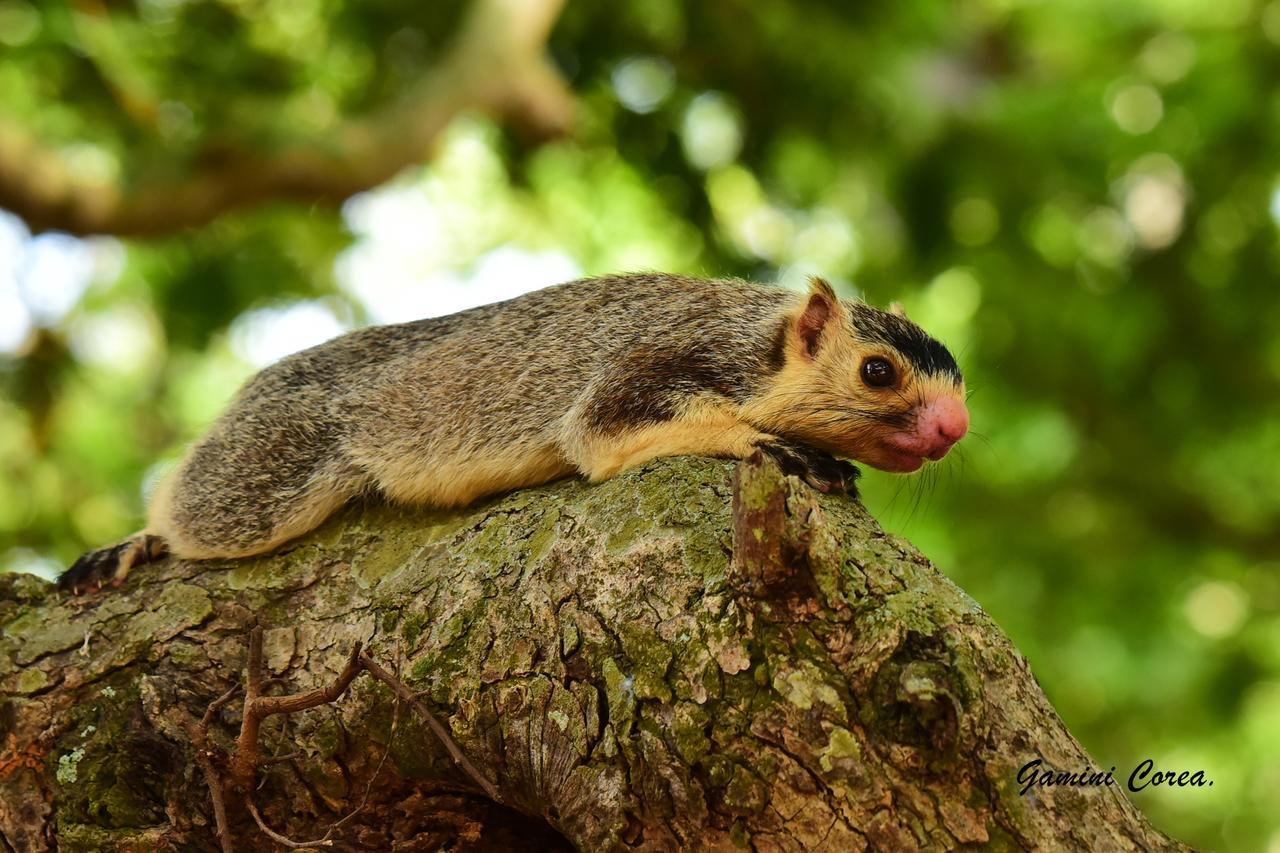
239,494
111,565
235,525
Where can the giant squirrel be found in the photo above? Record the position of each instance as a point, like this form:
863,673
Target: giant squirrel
594,376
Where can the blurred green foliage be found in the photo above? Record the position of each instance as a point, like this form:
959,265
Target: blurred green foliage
1081,198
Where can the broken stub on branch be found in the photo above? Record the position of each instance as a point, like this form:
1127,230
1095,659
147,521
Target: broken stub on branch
783,551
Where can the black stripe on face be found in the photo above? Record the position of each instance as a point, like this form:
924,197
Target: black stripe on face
776,358
925,354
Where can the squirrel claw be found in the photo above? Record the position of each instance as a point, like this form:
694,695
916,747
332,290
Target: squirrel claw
110,566
92,570
819,469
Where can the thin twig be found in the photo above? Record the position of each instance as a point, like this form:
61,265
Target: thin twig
266,706
459,757
284,840
395,720
246,758
199,734
217,704
214,783
258,707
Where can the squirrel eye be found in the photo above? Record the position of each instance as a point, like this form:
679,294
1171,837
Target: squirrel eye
878,373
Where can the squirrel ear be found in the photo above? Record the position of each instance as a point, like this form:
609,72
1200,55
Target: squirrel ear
896,309
818,284
819,310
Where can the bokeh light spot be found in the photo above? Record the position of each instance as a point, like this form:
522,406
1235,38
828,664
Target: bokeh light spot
1168,57
1104,236
643,83
712,131
1216,609
266,335
1155,197
1135,107
19,23
122,338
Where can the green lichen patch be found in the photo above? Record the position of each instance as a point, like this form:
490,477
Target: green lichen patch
37,633
188,655
915,610
842,747
83,838
620,694
381,559
69,766
411,628
386,555
670,493
746,793
727,644
30,680
706,553
631,529
574,718
501,545
570,639
21,588
542,535
689,731
294,569
111,770
696,675
512,654
804,685
178,607
650,658
448,673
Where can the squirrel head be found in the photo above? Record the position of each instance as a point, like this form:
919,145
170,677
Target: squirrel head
865,384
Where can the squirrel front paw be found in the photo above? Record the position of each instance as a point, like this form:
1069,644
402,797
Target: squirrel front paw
816,467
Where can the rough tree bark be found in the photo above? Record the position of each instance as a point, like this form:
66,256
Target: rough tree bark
694,655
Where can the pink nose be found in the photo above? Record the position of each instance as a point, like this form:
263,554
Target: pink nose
943,422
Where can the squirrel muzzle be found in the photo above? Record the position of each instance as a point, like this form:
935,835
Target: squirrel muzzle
939,424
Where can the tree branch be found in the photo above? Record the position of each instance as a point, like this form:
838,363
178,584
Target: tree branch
496,64
681,657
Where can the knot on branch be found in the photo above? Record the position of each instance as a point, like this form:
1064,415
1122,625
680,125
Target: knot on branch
921,702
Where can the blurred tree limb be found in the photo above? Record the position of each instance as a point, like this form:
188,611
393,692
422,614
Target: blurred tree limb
673,659
496,63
